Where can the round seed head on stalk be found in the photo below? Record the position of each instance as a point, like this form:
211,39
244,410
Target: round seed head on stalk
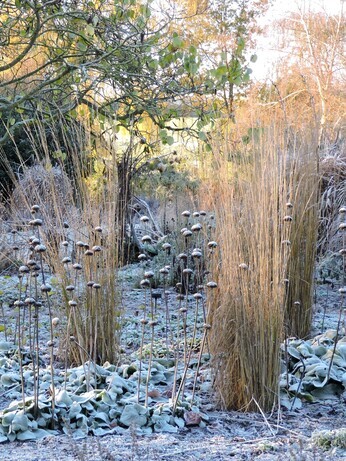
149,274
72,339
342,210
342,226
90,284
243,266
288,218
45,288
96,286
72,303
212,285
211,217
64,243
13,231
196,254
153,323
168,267
144,283
98,229
142,257
184,229
15,248
40,248
286,242
35,208
342,251
88,253
55,322
342,290
200,287
285,281
38,304
289,205
86,246
206,326
70,288
195,214
212,244
50,344
66,260
35,241
96,248
29,301
182,256
166,246
164,271
77,267
186,214
196,227
187,233
35,272
146,239
144,321
187,272
144,219
203,213
36,222
179,286
183,310
80,244
18,303
24,269
296,303
180,297
65,225
198,296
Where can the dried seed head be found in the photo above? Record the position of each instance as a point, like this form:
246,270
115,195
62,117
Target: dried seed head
342,290
144,321
164,271
297,303
96,248
196,227
184,229
55,322
286,281
203,213
50,344
64,243
182,256
166,246
18,303
149,274
288,218
146,239
187,272
212,244
156,295
80,244
35,241
183,310
187,233
342,251
24,269
142,257
90,283
35,208
77,266
206,326
289,205
89,253
96,286
212,285
98,229
15,248
86,246
179,286
196,254
144,219
65,225
286,242
180,297
45,288
153,323
40,248
198,296
66,260
342,226
36,222
70,288
243,266
72,303
195,214
29,301
145,283
186,213
72,339
342,210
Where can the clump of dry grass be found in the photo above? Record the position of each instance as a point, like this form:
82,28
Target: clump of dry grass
256,278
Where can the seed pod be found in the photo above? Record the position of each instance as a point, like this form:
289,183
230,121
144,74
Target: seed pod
187,272
182,256
164,271
195,214
77,267
179,286
289,205
153,323
50,344
198,296
90,283
55,322
96,286
187,233
98,229
144,219
342,290
72,303
144,283
342,251
196,254
206,326
286,242
96,248
243,266
35,208
200,287
184,229
166,246
342,226
203,213
186,213
212,285
66,260
183,310
196,227
212,244
80,244
149,274
89,253
146,239
288,218
70,288
15,248
72,339
342,210
24,269
144,321
297,303
40,248
36,222
86,246
180,297
142,257
18,303
45,288
64,243
29,301
35,241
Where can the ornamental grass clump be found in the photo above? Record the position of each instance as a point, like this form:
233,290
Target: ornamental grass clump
257,230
